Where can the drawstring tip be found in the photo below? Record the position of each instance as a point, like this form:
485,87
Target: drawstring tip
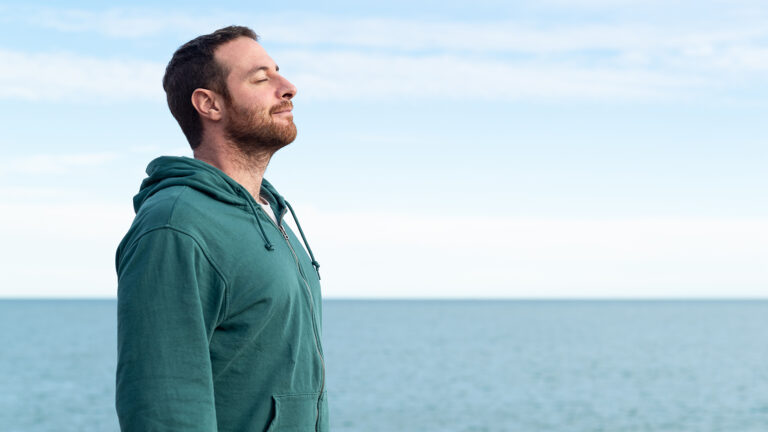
316,265
269,246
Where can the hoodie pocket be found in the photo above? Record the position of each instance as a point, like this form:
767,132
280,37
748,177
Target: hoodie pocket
294,413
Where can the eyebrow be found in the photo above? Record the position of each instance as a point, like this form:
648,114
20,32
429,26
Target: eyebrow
262,68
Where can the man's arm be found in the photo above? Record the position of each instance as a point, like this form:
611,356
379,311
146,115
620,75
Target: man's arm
170,298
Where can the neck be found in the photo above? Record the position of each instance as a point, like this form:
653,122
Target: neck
246,169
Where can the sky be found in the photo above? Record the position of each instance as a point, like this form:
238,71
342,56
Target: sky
483,149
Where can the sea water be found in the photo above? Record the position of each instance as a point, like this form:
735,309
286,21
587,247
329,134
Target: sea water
402,366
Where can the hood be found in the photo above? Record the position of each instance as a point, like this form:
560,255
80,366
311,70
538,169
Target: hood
167,171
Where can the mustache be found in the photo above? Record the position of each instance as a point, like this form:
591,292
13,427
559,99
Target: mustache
281,107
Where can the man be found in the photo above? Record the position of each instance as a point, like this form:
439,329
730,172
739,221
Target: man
219,314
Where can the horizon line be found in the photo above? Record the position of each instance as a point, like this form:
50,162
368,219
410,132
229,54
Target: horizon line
458,299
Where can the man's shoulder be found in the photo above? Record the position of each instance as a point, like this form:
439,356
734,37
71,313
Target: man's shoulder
160,212
159,209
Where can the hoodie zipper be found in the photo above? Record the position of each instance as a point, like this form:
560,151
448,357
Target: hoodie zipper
314,327
312,313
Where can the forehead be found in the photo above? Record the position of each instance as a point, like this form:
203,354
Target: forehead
240,55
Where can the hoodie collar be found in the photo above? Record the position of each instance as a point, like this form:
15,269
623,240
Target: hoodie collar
167,171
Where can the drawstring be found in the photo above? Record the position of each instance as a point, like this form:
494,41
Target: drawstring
315,264
268,245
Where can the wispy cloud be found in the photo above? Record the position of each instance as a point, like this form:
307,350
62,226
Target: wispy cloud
117,22
353,58
66,76
48,163
409,35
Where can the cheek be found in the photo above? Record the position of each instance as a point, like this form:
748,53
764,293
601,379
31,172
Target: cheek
251,110
259,96
258,107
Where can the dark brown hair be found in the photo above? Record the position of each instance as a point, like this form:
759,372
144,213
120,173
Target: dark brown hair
193,66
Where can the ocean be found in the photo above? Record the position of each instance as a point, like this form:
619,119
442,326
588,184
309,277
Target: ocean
445,366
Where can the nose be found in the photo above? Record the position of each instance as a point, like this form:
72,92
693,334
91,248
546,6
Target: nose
288,90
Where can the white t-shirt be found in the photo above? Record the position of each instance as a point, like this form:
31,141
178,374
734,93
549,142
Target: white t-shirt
265,205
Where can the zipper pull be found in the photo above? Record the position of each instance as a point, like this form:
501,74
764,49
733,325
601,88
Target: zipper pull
285,234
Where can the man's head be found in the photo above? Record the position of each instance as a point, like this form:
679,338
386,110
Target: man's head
226,80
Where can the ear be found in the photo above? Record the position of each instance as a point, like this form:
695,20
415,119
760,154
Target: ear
207,103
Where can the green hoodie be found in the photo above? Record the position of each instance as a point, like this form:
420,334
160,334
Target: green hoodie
219,313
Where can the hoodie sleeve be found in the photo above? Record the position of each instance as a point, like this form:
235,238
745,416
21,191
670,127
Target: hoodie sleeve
170,298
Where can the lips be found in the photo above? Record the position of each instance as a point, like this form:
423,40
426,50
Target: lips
282,108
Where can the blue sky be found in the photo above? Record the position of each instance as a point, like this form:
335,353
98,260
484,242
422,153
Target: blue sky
583,148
